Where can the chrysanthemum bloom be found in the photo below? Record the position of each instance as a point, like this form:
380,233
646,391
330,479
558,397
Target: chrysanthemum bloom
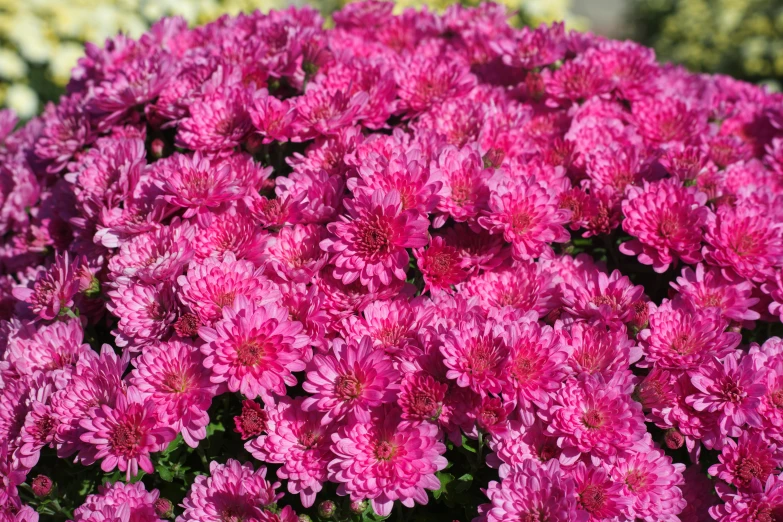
597,297
300,441
685,338
96,381
465,192
39,425
708,287
213,284
385,460
527,212
231,491
734,388
392,325
421,397
536,366
232,231
597,494
533,491
53,291
651,481
593,417
440,265
596,350
273,118
424,81
296,255
172,376
475,353
254,349
217,122
662,120
145,311
747,240
763,501
751,457
521,442
126,434
352,378
666,221
523,287
492,416
404,171
252,421
369,243
119,501
155,256
197,184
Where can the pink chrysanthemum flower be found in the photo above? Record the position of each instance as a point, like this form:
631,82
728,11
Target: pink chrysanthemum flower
424,81
273,118
531,492
213,284
54,290
592,417
352,378
596,350
172,376
392,325
231,491
296,255
521,442
734,388
651,481
707,288
536,366
126,434
763,501
252,421
300,441
217,122
39,425
154,256
232,231
385,460
597,494
117,502
465,192
145,311
662,120
681,338
198,184
369,243
528,214
751,457
747,240
475,353
597,297
440,265
421,397
254,349
666,221
521,287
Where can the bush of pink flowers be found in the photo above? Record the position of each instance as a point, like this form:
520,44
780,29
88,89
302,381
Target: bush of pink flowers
417,267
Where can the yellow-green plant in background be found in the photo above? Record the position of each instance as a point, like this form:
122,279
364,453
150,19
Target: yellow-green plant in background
41,40
742,38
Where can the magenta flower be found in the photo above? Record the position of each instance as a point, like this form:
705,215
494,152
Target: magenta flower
597,297
592,417
300,441
527,212
126,434
440,265
421,398
217,122
231,491
384,460
172,376
146,312
254,349
119,501
708,287
369,243
252,421
154,256
532,492
198,184
598,351
475,353
520,443
763,500
53,290
351,379
597,494
296,255
734,388
465,192
666,221
752,457
524,287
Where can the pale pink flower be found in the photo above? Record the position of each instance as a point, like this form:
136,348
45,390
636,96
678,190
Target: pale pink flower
53,291
708,287
198,184
475,353
296,255
597,494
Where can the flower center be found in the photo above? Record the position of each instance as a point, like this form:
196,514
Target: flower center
593,419
347,387
534,515
384,450
777,398
592,498
374,238
175,382
250,353
424,405
683,344
667,226
461,191
483,356
635,480
44,427
604,300
125,438
733,392
520,222
748,469
745,244
225,299
308,439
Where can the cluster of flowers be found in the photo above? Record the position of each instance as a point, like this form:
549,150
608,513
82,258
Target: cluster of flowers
367,233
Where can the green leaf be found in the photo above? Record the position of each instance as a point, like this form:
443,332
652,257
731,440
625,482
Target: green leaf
466,446
445,480
165,473
174,444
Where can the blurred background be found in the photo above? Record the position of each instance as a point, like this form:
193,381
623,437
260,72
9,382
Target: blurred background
40,40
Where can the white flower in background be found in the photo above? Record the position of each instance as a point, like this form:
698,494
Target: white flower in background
22,99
